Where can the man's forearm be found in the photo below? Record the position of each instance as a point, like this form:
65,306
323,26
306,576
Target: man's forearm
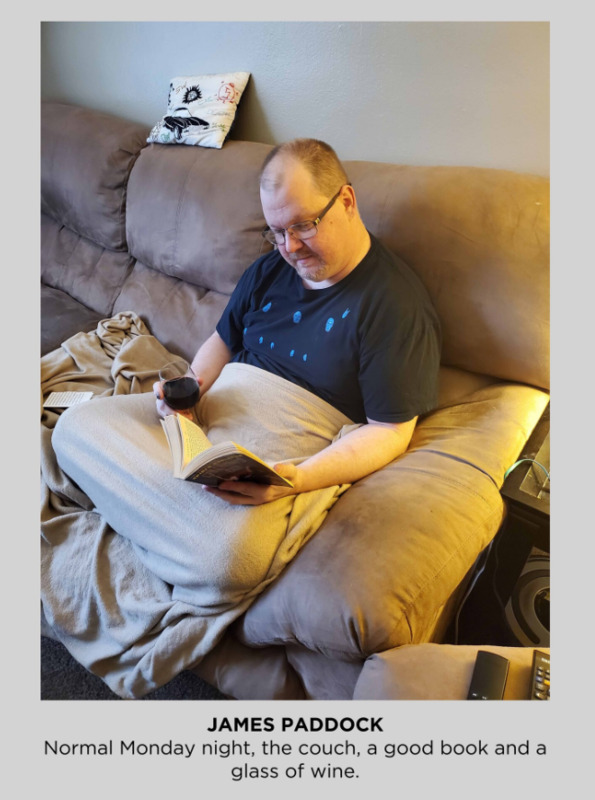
210,359
359,453
350,458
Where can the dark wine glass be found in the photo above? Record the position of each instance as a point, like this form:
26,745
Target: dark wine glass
180,385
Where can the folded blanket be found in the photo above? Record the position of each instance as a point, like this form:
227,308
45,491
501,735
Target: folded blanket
142,573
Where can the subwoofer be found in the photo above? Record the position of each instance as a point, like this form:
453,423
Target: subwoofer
527,611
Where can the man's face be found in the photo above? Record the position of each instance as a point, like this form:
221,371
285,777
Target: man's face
325,258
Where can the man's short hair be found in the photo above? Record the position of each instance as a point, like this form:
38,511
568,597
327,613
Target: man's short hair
318,158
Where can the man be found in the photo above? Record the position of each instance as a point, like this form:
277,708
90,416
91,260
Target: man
329,329
333,311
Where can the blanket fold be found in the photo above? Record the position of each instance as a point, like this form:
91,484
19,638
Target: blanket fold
141,573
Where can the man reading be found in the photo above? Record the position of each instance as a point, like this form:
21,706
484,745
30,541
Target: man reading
332,310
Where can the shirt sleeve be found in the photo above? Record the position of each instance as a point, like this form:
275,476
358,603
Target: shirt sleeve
399,363
230,326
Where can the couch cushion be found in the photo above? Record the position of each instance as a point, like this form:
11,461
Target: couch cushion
63,316
429,514
195,214
324,678
86,157
86,271
438,672
248,674
479,240
182,316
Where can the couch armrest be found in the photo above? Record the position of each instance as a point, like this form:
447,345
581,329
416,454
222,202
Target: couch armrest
398,543
438,672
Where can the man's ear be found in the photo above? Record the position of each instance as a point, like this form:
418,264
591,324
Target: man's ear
348,200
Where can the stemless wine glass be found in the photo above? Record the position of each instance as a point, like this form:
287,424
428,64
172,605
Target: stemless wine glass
180,385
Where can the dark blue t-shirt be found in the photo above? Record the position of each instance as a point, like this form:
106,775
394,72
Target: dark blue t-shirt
369,345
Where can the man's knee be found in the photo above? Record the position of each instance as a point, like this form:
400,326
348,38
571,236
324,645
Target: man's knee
69,425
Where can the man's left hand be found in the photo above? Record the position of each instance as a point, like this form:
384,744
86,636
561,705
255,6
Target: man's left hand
247,493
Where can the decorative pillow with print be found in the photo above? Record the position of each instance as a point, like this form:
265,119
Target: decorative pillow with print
200,109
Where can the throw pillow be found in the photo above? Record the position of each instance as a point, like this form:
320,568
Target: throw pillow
200,109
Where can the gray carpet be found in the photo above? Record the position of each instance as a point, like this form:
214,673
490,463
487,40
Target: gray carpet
63,678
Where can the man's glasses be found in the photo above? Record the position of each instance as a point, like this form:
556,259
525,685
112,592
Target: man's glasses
301,230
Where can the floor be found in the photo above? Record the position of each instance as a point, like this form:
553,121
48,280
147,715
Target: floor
62,678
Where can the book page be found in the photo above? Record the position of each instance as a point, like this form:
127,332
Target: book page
194,440
66,399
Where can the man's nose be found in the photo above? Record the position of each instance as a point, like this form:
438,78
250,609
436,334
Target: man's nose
292,243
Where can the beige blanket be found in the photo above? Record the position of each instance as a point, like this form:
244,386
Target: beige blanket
141,573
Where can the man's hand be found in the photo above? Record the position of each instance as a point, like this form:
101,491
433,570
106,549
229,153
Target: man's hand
208,362
246,493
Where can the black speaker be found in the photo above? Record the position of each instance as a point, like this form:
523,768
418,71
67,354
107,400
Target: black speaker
508,602
527,612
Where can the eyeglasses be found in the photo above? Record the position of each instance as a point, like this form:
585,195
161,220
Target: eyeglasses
301,230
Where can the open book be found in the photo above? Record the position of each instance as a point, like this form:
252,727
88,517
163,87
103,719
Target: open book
196,459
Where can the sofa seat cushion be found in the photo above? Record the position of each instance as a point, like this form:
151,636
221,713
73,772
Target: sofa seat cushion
245,673
63,316
399,542
179,314
324,678
77,266
438,672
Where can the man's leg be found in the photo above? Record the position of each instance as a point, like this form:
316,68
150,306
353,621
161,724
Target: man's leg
212,553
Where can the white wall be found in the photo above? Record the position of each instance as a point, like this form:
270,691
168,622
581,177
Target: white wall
453,93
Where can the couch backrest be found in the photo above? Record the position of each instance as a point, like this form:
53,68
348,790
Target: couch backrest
479,240
194,212
189,219
193,225
86,159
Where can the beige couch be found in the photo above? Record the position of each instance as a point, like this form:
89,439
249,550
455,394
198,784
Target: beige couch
440,672
167,230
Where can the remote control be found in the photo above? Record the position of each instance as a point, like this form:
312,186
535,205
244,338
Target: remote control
540,676
489,676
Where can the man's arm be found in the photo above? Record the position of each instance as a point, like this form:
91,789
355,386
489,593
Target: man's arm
210,359
207,364
359,453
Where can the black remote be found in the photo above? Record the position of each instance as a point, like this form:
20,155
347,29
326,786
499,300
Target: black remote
540,676
489,676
